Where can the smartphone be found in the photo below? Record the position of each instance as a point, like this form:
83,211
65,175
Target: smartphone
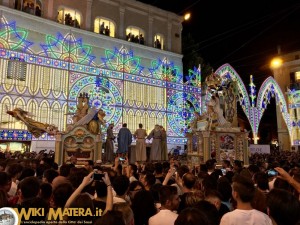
121,159
272,173
98,176
223,171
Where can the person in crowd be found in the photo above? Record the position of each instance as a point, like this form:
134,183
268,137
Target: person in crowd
147,179
49,175
210,211
188,183
155,135
157,44
120,185
159,172
192,216
107,31
45,192
102,28
283,207
169,200
140,148
214,197
111,218
143,207
38,11
134,187
226,165
164,146
126,211
124,140
28,197
5,183
131,172
141,39
14,171
285,176
109,144
101,195
89,165
243,193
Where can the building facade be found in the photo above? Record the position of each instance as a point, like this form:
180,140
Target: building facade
288,78
124,54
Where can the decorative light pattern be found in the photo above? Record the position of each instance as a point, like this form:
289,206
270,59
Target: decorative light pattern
16,135
252,91
122,60
269,89
181,106
68,48
12,37
227,71
103,93
165,70
194,77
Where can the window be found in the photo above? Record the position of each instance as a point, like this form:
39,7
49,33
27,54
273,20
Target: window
297,76
69,17
33,7
158,41
105,26
16,70
136,35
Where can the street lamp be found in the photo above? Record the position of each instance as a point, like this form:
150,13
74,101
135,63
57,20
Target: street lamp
187,16
276,63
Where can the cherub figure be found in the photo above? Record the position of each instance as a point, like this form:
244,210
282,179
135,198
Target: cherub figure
35,127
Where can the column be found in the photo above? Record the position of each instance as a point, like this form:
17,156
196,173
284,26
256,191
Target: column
169,37
206,147
150,29
121,28
49,10
5,3
97,154
58,157
88,15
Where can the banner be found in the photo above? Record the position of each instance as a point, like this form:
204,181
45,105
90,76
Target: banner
261,149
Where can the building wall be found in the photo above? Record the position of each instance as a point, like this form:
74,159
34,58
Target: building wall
133,83
123,13
282,75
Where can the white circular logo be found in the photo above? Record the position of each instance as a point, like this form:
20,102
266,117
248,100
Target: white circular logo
8,216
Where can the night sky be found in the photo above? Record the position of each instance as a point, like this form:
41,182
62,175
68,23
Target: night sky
245,34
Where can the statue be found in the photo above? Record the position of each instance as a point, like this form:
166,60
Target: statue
213,81
35,127
82,107
216,113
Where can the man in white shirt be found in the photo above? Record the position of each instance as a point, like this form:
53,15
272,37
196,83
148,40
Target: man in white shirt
243,191
169,200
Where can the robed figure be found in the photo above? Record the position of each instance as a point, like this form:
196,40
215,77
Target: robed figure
140,147
156,135
109,145
124,140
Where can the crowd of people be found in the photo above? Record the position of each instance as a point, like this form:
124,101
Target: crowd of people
160,193
135,38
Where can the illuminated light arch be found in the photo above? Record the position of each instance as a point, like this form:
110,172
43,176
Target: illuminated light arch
103,93
270,89
165,70
68,48
12,37
122,60
194,77
180,109
55,114
226,71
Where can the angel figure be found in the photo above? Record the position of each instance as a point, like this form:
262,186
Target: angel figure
35,127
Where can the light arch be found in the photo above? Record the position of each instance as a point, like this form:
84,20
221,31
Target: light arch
270,89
